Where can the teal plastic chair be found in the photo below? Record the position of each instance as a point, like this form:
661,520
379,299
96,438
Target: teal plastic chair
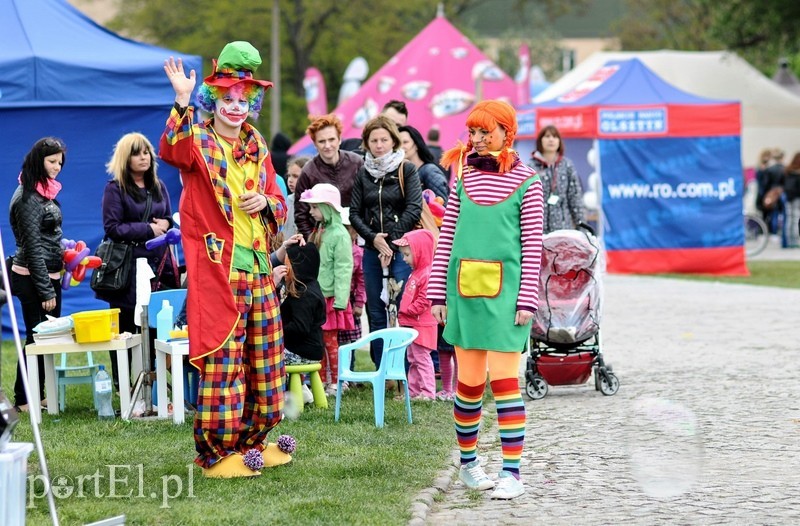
393,367
74,375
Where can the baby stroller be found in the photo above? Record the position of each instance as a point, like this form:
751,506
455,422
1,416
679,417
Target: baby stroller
564,348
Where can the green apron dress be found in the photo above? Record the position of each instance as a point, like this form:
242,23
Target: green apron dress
484,274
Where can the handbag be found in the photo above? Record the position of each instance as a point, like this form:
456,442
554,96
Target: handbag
426,218
772,198
114,273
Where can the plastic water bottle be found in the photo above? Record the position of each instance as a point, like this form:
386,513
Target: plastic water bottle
164,321
103,390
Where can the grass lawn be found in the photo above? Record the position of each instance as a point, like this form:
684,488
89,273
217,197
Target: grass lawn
784,274
348,472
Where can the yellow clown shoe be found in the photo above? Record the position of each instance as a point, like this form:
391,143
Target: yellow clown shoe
232,466
273,456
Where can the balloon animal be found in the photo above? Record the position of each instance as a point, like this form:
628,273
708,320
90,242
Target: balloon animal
76,261
171,236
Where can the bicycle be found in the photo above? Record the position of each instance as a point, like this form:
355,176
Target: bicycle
756,235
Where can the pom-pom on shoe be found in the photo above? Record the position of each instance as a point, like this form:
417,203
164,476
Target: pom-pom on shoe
253,459
287,443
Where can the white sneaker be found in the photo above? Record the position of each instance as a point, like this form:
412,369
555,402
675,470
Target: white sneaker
508,487
473,476
308,396
331,390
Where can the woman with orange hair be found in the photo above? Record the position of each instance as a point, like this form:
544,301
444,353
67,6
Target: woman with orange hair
485,274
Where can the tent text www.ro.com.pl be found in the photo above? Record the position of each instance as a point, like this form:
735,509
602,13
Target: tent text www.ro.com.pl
721,190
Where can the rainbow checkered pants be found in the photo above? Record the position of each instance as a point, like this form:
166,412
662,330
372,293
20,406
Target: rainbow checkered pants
240,398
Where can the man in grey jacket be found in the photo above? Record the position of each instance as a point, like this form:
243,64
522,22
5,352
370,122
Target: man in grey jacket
330,165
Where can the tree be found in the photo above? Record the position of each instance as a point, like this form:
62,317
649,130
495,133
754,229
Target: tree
326,34
759,31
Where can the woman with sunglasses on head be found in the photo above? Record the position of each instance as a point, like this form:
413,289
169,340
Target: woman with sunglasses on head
35,217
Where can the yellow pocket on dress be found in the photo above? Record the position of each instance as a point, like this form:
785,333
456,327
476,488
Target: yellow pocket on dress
479,278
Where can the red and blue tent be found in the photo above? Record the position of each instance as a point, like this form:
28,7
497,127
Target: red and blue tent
669,165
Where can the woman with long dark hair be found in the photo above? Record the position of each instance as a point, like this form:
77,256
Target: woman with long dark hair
430,175
36,223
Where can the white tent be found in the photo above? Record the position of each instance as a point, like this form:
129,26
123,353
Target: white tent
770,113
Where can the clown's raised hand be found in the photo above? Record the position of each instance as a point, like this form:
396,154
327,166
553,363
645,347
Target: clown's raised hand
182,84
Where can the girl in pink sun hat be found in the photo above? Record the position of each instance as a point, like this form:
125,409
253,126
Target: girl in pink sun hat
335,272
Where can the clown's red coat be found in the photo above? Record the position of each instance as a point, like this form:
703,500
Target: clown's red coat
207,222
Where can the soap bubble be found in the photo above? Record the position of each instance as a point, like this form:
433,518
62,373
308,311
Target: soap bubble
664,446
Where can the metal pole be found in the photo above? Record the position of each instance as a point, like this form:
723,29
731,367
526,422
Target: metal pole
37,436
275,59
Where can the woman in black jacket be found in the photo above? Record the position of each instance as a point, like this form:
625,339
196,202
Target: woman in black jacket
382,210
36,223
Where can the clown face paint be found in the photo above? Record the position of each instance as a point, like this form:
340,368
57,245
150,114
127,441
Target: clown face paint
232,108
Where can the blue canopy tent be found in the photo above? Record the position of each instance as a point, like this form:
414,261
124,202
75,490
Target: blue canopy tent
64,75
669,165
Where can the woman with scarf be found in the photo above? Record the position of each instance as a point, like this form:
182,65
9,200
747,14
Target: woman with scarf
35,272
382,210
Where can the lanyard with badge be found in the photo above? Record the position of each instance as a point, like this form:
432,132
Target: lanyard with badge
554,197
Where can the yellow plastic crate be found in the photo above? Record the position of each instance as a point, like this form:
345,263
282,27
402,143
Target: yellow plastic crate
96,325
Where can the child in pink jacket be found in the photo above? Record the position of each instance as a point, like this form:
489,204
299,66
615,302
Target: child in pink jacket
417,248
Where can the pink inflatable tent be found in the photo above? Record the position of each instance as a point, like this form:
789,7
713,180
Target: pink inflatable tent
440,75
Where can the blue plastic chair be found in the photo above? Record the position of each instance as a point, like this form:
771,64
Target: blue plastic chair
176,297
393,367
73,375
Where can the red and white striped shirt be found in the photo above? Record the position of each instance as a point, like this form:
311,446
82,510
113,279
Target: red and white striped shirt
487,188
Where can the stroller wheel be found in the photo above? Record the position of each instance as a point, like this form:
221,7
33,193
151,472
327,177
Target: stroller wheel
536,388
609,384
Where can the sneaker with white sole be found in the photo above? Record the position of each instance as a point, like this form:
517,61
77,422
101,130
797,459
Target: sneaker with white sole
508,486
473,476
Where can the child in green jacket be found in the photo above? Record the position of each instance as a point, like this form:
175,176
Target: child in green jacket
335,272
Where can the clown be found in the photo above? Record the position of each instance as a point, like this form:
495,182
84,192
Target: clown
230,207
485,274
